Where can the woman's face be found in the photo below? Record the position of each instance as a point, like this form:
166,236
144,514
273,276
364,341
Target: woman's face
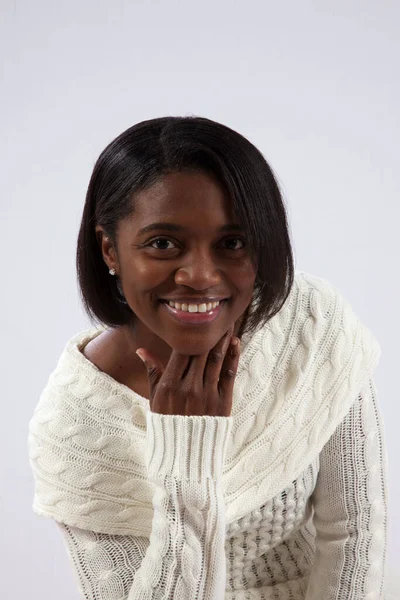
183,246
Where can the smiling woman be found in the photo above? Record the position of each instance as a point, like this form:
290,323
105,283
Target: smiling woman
216,434
181,245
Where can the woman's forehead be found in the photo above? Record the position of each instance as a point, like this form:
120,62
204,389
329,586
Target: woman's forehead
188,186
183,199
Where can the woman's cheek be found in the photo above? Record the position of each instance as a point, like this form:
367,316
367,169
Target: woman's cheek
246,277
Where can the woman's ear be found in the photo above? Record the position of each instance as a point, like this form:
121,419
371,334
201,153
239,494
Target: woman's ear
100,234
107,248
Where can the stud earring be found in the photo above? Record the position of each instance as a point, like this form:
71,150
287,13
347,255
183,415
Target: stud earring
112,271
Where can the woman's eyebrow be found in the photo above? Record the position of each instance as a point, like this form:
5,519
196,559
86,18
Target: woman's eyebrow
154,226
174,227
231,227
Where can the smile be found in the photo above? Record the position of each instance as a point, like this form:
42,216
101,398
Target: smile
193,308
194,314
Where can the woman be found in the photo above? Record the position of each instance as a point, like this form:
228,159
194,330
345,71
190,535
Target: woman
174,468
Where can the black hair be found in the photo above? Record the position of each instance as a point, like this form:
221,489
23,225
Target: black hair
143,154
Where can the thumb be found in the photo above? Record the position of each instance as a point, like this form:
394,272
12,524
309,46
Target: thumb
154,368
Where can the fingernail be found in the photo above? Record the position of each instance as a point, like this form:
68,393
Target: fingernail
140,355
235,341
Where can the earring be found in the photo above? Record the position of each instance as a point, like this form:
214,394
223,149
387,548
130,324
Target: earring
112,271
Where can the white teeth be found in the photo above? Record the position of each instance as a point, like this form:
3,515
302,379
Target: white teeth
193,308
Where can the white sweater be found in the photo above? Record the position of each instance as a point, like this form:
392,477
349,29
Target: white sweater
284,499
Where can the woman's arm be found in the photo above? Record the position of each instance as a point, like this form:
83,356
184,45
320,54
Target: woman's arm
104,565
350,504
185,556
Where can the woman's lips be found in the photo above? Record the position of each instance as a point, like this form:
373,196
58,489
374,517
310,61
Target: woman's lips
194,318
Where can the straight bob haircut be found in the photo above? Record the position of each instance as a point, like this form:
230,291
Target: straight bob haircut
142,155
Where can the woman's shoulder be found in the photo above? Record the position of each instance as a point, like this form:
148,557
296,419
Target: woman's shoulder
110,354
94,356
310,284
102,350
318,298
310,299
315,321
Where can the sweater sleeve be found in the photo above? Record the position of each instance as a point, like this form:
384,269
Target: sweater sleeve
350,508
185,555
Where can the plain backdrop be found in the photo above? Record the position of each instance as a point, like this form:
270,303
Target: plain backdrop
313,84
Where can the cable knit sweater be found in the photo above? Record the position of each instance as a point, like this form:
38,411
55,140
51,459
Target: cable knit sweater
284,499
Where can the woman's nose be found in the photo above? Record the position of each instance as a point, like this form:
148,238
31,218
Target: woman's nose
200,273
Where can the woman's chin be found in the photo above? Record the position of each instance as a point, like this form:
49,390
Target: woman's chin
191,345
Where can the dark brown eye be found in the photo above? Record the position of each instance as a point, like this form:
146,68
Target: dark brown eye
162,244
234,244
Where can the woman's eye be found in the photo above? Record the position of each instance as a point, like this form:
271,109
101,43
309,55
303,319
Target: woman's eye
234,244
162,244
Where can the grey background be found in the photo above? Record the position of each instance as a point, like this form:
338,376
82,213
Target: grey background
315,85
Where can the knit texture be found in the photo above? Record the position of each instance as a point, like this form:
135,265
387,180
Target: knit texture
246,506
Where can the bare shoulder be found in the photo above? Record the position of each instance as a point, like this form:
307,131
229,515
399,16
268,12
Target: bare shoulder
110,353
106,351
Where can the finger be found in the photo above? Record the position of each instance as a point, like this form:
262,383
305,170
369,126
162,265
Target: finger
228,373
195,370
176,367
215,359
154,369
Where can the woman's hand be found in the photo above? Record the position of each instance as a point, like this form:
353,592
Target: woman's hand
194,385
